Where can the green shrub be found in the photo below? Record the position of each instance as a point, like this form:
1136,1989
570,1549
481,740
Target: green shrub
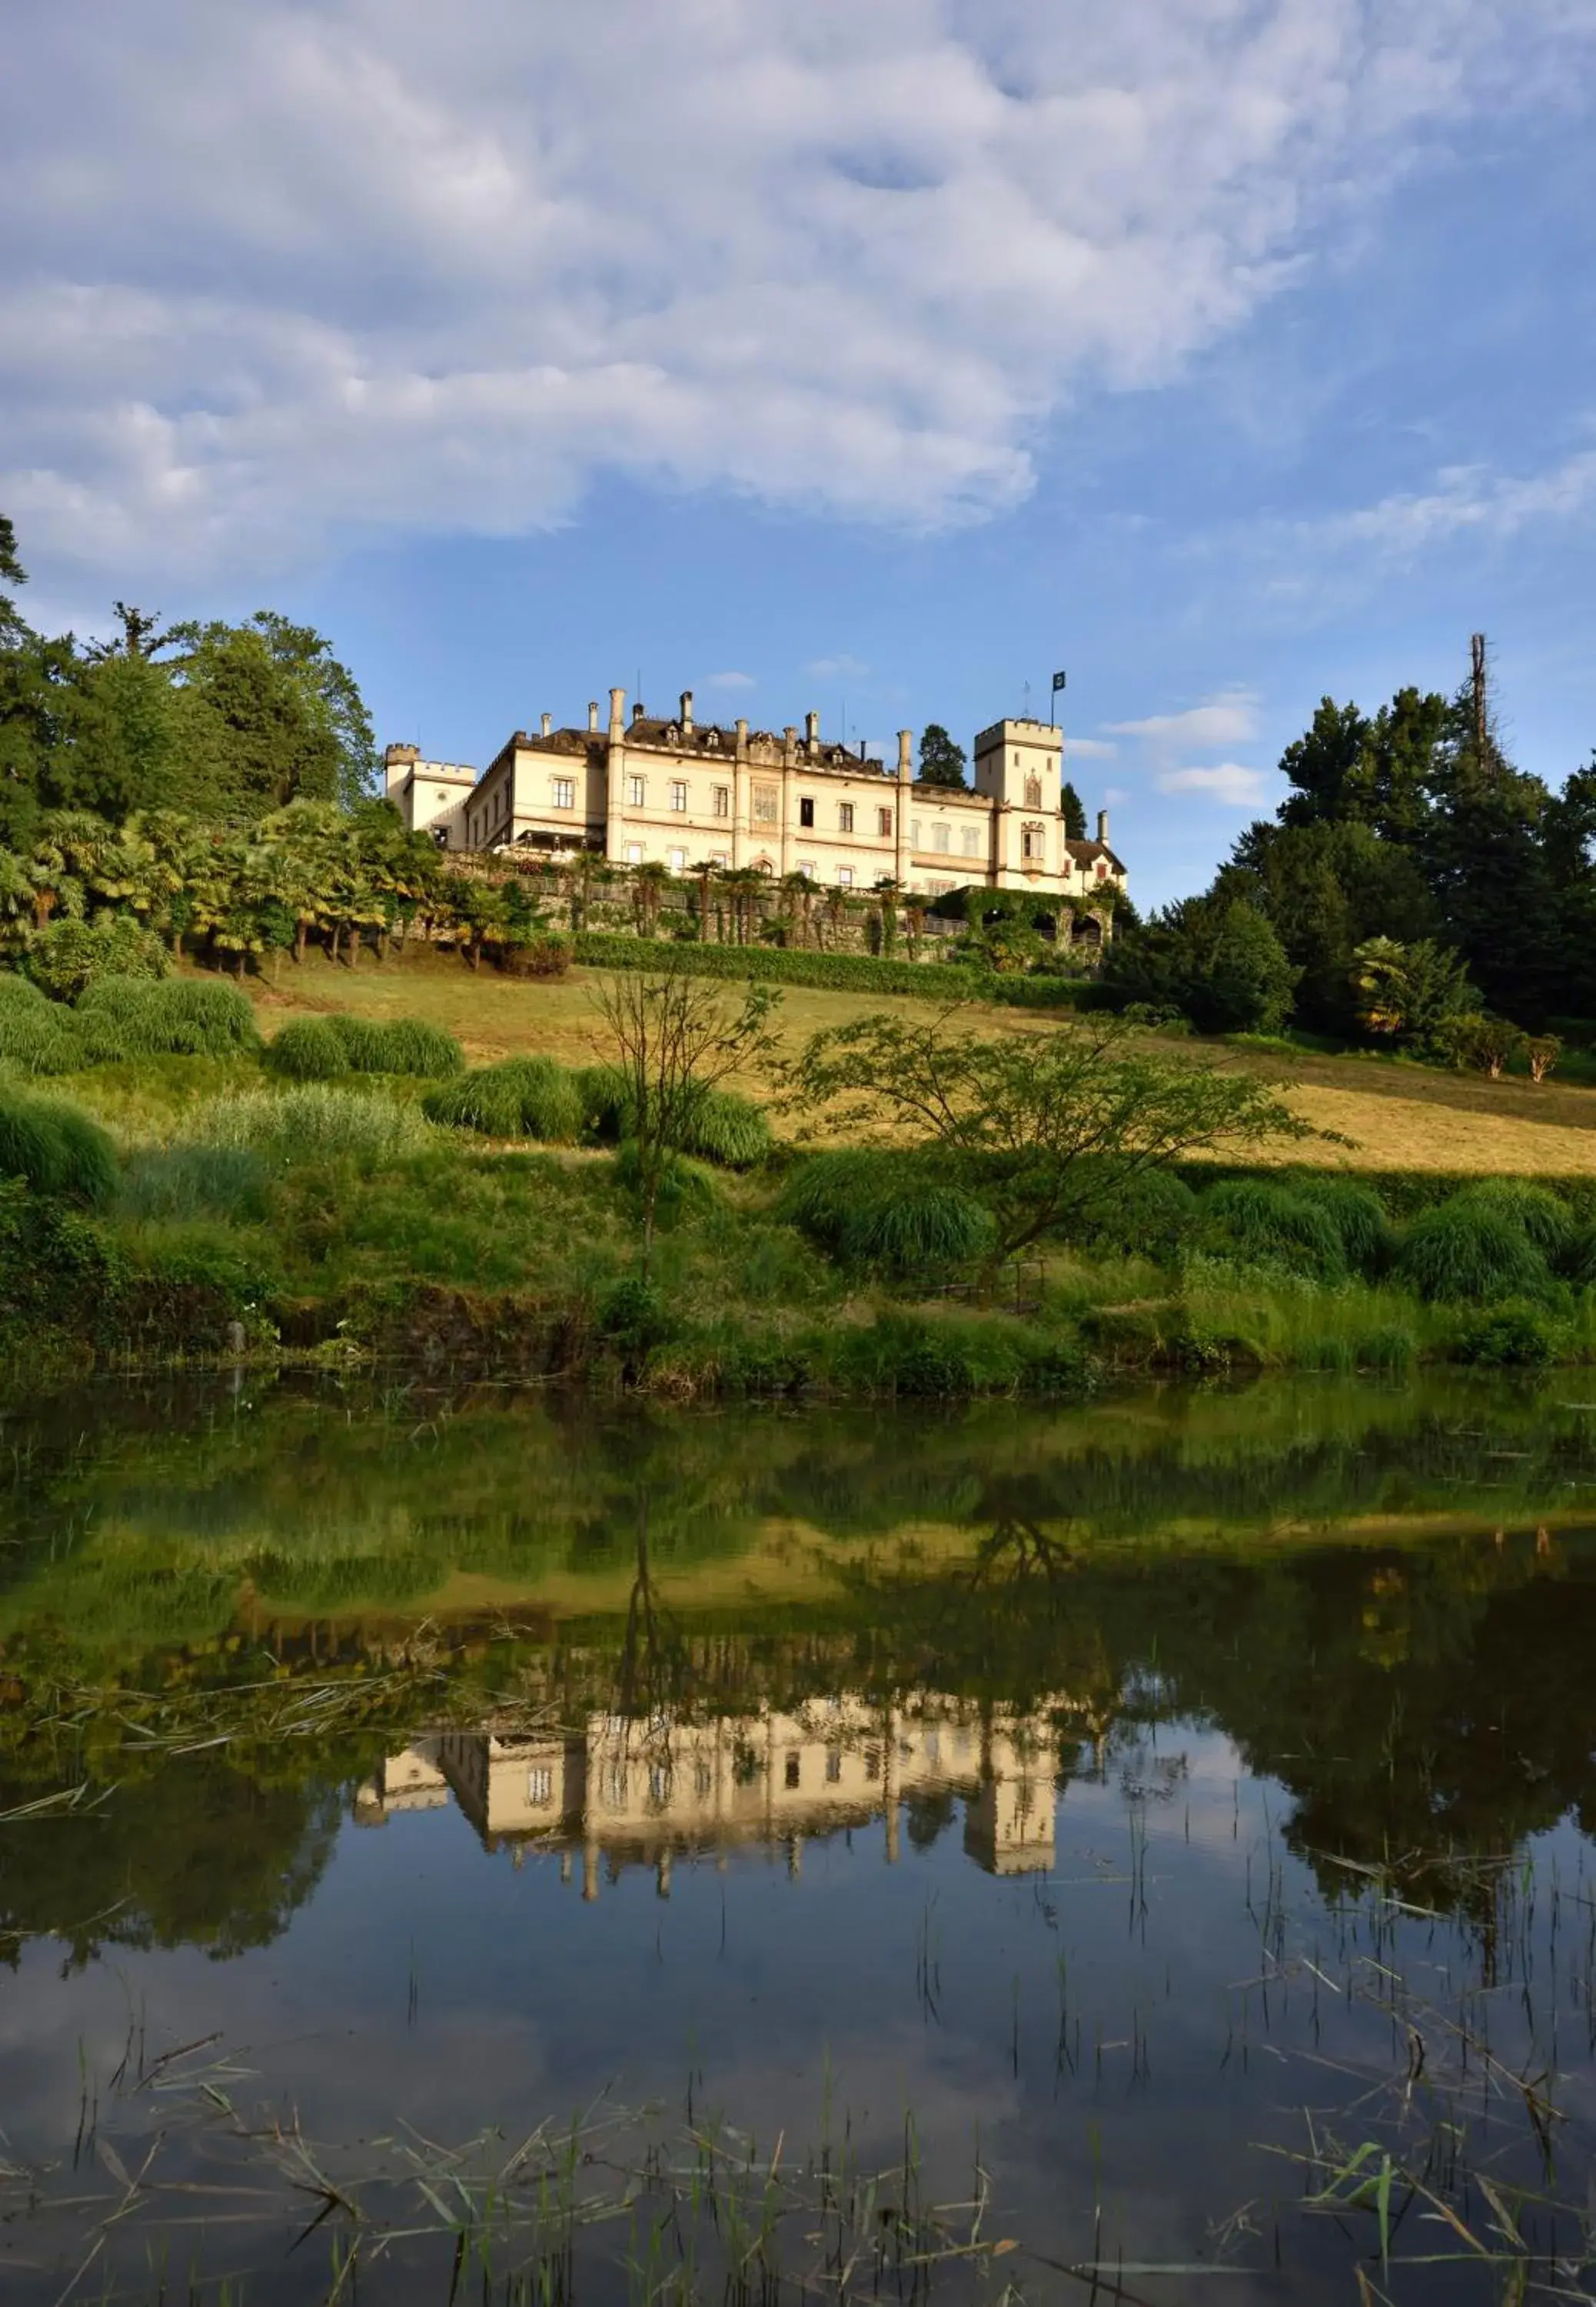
308,1049
1358,1215
195,1181
316,1122
1514,1336
635,1316
71,955
1548,1221
185,1017
37,1035
54,1148
1466,1250
521,1097
1272,1225
887,1211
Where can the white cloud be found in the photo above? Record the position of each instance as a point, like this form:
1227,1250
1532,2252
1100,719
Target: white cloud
1090,748
1469,497
1227,782
836,668
731,681
1230,719
293,277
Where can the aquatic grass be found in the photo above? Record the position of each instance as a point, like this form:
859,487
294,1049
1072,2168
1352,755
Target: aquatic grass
191,1181
55,1147
314,1122
1469,1248
521,1097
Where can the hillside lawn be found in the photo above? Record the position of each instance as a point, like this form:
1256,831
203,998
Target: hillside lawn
1400,1116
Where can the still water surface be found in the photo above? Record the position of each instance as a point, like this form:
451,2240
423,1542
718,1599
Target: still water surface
1146,1847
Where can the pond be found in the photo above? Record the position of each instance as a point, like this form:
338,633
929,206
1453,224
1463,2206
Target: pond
480,1846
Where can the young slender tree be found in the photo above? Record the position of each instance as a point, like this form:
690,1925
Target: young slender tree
675,1037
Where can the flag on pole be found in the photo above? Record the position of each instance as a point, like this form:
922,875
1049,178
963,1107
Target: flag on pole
1058,682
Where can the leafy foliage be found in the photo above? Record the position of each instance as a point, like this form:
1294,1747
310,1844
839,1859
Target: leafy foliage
71,955
1218,960
308,1049
942,761
1045,1129
37,1035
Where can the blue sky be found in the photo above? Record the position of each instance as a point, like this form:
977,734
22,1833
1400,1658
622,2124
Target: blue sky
1223,352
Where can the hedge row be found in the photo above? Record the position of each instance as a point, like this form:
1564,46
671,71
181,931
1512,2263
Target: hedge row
932,981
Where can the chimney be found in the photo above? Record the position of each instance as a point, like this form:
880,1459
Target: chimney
906,766
617,712
1103,827
811,730
687,712
593,714
548,723
742,741
788,747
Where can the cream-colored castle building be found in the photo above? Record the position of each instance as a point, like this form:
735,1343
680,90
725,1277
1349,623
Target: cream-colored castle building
685,794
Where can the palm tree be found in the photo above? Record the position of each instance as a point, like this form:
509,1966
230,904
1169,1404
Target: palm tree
648,890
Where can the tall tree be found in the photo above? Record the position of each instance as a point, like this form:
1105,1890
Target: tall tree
1072,810
942,761
271,717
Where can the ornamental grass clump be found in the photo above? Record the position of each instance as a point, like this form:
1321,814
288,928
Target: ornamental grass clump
37,1035
317,1121
720,1126
1359,1217
408,1045
886,1211
187,1017
522,1097
1466,1249
728,1129
1547,1221
54,1148
1272,1225
308,1050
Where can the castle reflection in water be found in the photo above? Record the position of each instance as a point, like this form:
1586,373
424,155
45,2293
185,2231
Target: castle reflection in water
620,1791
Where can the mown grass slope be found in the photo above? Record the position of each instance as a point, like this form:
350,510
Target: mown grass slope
1400,1116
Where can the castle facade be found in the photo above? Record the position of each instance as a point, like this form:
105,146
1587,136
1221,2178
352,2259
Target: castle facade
686,795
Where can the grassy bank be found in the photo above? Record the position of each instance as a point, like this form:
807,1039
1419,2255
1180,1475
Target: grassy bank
362,1183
